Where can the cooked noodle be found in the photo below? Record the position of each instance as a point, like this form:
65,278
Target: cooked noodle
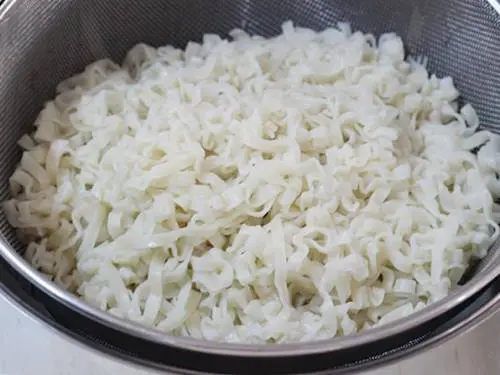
258,190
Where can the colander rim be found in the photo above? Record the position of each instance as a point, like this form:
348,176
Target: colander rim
433,311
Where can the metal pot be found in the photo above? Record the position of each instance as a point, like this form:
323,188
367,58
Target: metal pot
107,341
42,42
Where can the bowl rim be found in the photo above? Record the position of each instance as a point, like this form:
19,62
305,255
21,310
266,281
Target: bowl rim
397,327
430,312
29,306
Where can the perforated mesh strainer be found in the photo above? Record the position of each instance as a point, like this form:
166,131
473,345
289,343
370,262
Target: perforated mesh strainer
44,41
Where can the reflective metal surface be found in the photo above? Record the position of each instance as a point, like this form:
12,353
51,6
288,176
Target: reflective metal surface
84,332
45,41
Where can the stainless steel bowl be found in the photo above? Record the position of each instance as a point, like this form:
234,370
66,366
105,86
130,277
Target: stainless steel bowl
44,41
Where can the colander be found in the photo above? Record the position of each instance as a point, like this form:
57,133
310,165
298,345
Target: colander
45,41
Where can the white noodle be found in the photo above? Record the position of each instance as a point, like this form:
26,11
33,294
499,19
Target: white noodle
258,190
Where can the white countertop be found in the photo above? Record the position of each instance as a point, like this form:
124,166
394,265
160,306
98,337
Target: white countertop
27,347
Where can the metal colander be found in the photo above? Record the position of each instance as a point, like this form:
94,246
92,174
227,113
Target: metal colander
45,41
